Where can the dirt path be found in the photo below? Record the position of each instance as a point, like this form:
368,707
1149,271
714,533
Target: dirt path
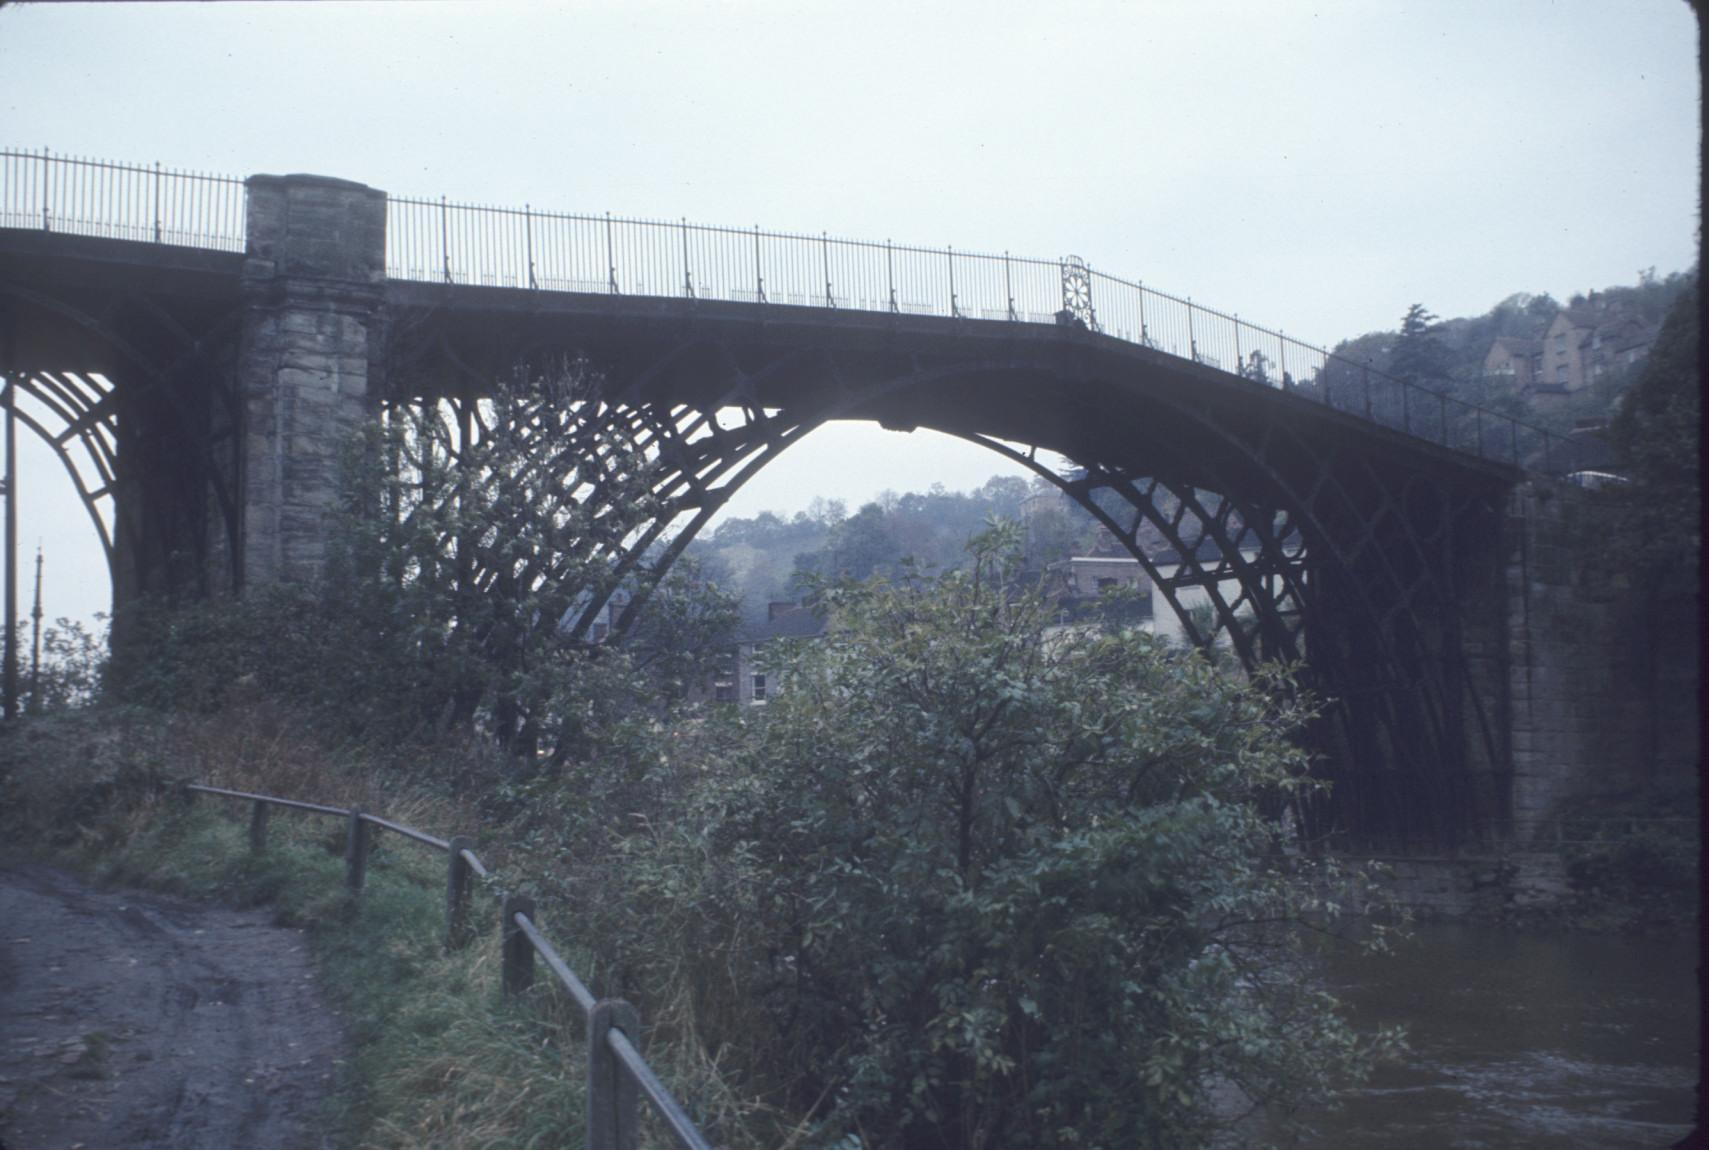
137,1020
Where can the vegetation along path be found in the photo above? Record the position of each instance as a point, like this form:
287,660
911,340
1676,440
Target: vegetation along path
141,1020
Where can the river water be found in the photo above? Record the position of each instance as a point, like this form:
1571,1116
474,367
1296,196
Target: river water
1521,1039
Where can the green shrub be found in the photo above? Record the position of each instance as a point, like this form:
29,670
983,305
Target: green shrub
965,883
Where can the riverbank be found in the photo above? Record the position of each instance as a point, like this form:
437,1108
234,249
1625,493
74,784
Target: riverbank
1520,1039
1632,877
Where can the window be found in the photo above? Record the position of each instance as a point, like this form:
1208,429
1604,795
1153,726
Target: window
759,688
1105,583
724,678
1560,373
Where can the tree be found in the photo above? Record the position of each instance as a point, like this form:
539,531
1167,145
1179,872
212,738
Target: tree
1656,435
972,886
1419,356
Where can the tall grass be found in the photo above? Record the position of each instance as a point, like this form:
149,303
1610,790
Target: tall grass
437,1056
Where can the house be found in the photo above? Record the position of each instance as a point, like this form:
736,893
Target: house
740,676
1077,586
1582,343
1515,360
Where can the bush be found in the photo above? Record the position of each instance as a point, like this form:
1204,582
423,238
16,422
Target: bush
966,883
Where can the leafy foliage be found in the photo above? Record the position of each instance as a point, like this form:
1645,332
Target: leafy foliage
71,669
1657,435
463,594
975,886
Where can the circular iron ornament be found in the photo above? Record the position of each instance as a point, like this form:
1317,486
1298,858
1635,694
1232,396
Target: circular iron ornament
1077,294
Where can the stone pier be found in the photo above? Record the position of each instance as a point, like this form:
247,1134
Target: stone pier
312,346
1602,682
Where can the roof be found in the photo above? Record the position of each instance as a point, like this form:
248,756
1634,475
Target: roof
800,624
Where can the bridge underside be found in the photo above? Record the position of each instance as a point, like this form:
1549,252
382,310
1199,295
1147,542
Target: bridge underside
1367,555
1364,554
125,367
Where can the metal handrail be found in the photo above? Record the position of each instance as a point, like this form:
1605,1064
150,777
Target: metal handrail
678,1122
578,989
605,1096
271,800
409,832
442,241
146,203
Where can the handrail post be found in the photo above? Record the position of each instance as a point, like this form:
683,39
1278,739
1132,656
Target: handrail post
258,827
457,876
356,851
1192,337
759,271
610,258
890,275
613,1102
518,951
1365,371
687,269
157,229
1009,286
528,227
954,311
825,253
445,238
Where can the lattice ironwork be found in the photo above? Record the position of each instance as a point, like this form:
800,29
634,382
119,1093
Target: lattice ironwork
138,410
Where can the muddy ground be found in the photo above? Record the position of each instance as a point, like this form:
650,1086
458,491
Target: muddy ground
139,1020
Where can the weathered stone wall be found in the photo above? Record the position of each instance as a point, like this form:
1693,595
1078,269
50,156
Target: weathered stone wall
313,285
1479,885
1602,682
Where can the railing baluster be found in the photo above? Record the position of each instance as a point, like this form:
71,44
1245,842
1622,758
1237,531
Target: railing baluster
518,962
613,1102
355,851
458,876
258,827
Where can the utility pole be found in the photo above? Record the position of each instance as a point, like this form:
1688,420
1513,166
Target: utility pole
36,639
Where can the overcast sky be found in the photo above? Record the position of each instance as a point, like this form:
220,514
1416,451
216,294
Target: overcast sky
1315,167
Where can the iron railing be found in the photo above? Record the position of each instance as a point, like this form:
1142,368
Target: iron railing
152,204
617,1073
485,246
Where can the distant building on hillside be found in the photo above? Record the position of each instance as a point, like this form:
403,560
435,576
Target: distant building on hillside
1077,585
1516,360
738,676
1581,345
